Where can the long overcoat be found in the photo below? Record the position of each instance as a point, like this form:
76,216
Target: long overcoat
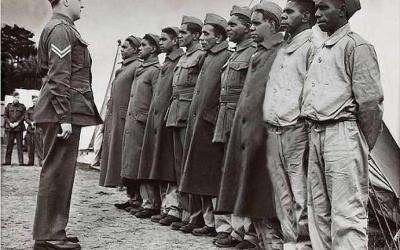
111,155
143,86
157,158
202,159
246,187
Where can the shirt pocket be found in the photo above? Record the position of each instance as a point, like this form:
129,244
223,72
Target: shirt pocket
184,102
191,71
80,55
81,100
237,73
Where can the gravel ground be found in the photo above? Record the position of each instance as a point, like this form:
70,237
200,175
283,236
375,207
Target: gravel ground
93,217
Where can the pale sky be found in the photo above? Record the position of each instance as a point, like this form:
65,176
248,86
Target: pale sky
103,22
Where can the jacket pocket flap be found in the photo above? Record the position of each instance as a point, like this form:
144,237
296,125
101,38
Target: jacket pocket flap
239,65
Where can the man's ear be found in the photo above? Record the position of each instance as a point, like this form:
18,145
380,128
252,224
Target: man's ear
306,17
343,11
196,36
66,3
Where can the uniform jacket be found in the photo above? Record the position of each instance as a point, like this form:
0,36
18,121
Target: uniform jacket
202,159
144,84
345,72
110,163
184,80
232,80
14,113
64,60
29,119
157,157
246,187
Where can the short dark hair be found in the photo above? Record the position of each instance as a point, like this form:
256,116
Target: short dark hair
54,3
132,44
152,43
170,32
307,6
219,31
244,20
194,28
269,17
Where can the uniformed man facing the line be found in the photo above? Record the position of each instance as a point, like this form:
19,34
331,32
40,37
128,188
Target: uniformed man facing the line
14,116
142,90
111,156
157,158
246,188
183,82
287,137
30,132
201,178
65,105
342,99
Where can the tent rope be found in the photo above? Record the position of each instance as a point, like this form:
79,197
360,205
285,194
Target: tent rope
379,222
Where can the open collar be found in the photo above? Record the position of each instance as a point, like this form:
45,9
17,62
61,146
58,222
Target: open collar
193,49
338,35
219,47
130,59
175,54
150,61
245,44
63,17
297,41
272,41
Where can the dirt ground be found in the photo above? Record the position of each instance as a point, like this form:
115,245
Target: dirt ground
93,217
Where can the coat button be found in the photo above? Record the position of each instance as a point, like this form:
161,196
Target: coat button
244,120
319,59
243,146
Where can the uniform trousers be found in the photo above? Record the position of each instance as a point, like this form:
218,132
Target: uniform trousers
30,142
287,159
338,186
56,182
11,137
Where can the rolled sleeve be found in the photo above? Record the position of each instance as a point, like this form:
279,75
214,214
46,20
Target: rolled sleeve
59,49
368,92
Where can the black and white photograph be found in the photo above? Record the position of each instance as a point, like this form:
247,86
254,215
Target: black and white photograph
200,124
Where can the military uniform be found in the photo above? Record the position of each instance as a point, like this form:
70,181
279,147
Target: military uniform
110,165
143,87
344,126
199,177
14,112
66,97
287,137
30,136
183,82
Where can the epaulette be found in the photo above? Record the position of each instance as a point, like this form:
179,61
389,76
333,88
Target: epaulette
358,40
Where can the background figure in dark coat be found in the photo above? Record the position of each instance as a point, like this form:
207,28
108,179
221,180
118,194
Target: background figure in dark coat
65,105
157,161
110,164
142,91
246,187
14,116
30,133
199,177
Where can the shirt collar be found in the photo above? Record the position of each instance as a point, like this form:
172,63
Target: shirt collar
297,41
339,34
272,41
173,55
193,49
130,59
63,17
150,61
219,47
245,44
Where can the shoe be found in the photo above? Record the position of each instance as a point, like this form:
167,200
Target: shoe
147,213
30,164
158,217
220,235
122,205
227,242
56,244
205,231
168,220
245,244
178,225
6,163
133,210
188,228
73,239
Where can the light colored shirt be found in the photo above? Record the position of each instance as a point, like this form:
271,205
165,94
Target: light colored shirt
343,82
285,84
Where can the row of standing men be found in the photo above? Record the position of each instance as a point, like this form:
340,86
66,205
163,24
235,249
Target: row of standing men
263,145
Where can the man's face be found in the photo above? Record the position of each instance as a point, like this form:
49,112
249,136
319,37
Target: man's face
145,49
16,99
75,8
260,29
166,43
208,38
328,15
185,38
34,101
291,17
127,50
236,31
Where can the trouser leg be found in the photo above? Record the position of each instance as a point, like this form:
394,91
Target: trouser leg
207,210
56,182
132,190
195,209
39,144
172,200
20,138
150,193
243,229
223,223
10,145
269,233
31,148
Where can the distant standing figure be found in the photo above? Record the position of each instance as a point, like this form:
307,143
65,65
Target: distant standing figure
30,132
